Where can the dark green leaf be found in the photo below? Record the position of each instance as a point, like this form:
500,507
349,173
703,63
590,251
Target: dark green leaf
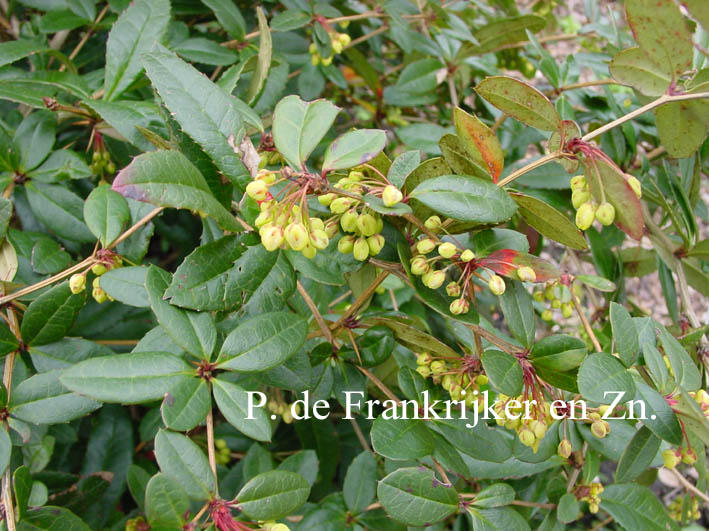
273,495
601,376
360,486
183,461
353,148
106,213
504,372
186,404
636,507
166,502
401,438
638,455
549,222
233,402
49,316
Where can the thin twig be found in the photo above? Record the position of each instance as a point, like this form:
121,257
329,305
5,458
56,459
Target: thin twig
357,304
145,219
314,310
383,388
687,485
586,324
529,167
86,36
210,450
523,503
360,436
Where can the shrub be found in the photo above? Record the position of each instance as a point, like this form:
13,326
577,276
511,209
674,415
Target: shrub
328,266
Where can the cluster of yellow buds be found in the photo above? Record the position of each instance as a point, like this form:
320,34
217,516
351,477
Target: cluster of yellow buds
284,224
673,456
591,494
278,407
338,41
223,454
461,378
361,224
586,208
464,260
691,513
137,524
557,296
530,430
77,282
101,163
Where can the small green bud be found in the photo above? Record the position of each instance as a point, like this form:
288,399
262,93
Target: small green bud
423,370
257,190
634,183
564,449
579,197
340,204
467,255
526,274
496,284
419,265
453,289
585,216
435,280
459,306
271,237
578,182
376,244
424,358
326,199
367,224
391,196
670,459
605,213
348,221
432,223
346,244
361,249
296,236
425,246
77,283
447,250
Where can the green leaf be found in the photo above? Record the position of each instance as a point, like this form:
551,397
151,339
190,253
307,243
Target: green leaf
521,101
549,222
638,455
360,486
228,16
465,198
299,126
22,484
353,148
376,204
126,116
193,331
516,305
568,509
60,210
633,67
137,481
183,461
495,495
263,62
8,341
558,353
262,342
403,165
106,213
126,285
497,33
504,372
478,441
458,157
50,316
410,336
414,497
652,21
48,257
289,19
273,495
186,404
636,507
681,128
596,282
127,378
205,111
12,51
625,334
401,438
227,274
233,402
655,364
166,502
205,51
168,178
685,371
34,139
52,518
601,373
416,85
499,518
480,143
42,399
137,30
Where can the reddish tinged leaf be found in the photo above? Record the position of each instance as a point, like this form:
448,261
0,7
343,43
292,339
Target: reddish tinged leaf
480,142
628,211
506,261
558,139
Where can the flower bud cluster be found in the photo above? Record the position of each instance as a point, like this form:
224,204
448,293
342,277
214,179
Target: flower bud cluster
674,456
338,41
690,513
591,494
599,427
557,296
587,210
77,282
285,410
223,454
462,378
362,225
101,163
531,430
701,397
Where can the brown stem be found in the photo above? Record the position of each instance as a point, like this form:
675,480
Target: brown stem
145,219
360,436
383,388
529,167
523,503
314,310
210,450
357,304
687,485
86,36
7,382
586,324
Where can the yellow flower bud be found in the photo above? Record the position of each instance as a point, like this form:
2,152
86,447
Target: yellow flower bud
438,366
527,437
257,190
459,306
567,310
346,244
547,315
447,249
564,449
391,195
327,61
98,269
423,370
425,246
424,359
99,295
432,223
453,289
599,429
689,456
526,274
419,265
376,244
326,199
496,284
315,59
77,283
605,213
367,224
538,428
344,38
296,236
670,459
319,239
271,237
579,197
435,280
340,204
336,47
578,182
467,255
361,249
309,251
585,215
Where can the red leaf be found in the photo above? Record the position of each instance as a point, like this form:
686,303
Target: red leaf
506,261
